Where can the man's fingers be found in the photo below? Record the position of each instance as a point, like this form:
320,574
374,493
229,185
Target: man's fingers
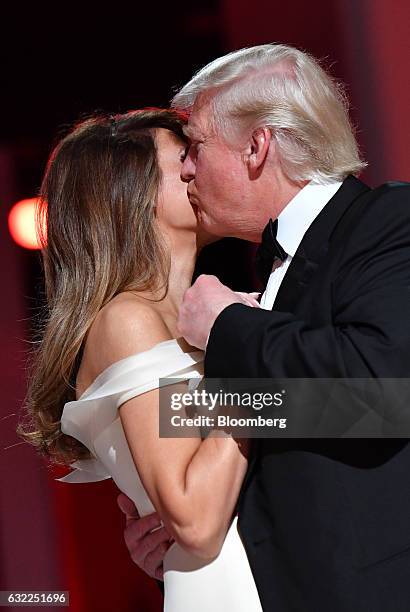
127,506
146,538
149,552
137,529
141,545
153,562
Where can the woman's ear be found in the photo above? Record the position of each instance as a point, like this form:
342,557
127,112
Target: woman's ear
258,149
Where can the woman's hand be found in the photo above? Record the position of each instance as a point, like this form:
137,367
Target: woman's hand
249,299
146,538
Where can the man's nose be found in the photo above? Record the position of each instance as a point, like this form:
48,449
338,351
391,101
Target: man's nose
188,169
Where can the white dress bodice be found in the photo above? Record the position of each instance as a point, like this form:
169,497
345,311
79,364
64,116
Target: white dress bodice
191,584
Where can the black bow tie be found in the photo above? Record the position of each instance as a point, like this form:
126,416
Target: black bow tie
268,251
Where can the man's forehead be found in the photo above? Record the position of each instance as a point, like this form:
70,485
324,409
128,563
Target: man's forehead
199,122
192,130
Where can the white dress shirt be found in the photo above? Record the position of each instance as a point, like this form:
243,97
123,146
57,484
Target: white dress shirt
293,222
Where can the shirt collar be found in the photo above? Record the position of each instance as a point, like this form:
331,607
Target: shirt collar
301,211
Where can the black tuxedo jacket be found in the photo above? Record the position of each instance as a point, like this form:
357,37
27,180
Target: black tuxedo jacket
326,522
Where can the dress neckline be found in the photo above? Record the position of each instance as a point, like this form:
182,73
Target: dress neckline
104,373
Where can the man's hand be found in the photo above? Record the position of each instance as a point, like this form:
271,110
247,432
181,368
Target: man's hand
201,305
147,548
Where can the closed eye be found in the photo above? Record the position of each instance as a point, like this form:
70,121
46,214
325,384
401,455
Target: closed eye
184,153
194,147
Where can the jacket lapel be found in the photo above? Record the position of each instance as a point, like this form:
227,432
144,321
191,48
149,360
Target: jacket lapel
311,251
315,244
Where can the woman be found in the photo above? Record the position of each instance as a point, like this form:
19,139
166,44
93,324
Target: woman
121,245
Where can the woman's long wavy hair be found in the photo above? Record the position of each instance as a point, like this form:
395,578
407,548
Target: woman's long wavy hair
97,204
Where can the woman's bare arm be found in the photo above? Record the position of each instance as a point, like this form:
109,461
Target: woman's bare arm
193,484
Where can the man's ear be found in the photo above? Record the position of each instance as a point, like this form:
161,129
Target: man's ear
258,149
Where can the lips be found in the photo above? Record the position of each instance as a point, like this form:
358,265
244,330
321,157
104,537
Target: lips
192,198
194,205
195,208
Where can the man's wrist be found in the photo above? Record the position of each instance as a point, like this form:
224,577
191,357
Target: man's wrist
217,316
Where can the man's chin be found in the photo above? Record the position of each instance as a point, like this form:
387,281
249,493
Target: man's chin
211,228
205,237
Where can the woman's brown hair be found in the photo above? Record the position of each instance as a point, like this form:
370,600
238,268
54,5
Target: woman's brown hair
97,204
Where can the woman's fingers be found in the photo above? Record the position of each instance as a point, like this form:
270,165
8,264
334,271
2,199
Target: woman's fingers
249,299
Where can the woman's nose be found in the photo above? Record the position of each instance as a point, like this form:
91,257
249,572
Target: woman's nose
188,169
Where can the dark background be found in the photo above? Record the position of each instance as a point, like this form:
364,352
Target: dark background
70,59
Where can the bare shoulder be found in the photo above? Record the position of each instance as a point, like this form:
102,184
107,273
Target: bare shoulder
126,322
124,326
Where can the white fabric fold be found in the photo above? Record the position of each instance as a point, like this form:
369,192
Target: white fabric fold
96,410
86,470
224,583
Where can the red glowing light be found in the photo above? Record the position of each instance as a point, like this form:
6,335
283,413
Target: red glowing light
22,224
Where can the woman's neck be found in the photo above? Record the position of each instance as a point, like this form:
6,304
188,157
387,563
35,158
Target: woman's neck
183,254
183,258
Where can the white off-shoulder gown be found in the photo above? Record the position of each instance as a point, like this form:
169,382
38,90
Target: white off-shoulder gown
224,584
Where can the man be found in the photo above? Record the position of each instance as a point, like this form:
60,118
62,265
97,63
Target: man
325,523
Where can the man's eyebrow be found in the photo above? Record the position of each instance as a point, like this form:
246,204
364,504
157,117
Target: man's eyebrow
189,132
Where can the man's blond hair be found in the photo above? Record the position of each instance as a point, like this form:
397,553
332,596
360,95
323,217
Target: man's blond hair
287,90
